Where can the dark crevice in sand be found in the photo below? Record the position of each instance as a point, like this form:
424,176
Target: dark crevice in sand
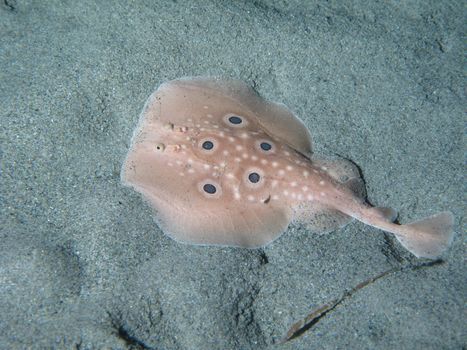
304,325
10,4
390,251
124,334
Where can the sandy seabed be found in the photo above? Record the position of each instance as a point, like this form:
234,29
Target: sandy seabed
82,264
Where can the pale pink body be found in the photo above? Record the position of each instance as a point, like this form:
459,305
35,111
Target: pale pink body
223,166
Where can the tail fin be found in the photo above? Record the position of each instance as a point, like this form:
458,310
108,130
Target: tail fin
429,237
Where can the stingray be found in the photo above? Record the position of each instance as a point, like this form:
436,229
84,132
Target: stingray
223,166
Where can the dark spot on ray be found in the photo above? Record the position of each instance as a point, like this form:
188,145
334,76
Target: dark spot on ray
254,177
209,188
235,120
208,145
265,146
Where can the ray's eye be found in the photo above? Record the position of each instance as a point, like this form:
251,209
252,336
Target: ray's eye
207,145
254,177
265,146
209,188
235,120
160,147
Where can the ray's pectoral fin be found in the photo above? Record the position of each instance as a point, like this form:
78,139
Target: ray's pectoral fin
343,171
275,118
319,218
250,226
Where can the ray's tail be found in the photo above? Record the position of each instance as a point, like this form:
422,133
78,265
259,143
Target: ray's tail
428,237
425,238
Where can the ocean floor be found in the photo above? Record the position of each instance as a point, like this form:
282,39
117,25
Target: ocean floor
82,263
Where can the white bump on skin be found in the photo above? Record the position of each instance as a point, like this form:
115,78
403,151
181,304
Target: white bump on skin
238,147
287,153
321,183
238,159
300,197
281,172
310,197
231,139
215,126
205,107
286,193
190,161
170,164
179,162
293,184
274,183
275,197
206,166
181,174
236,193
264,161
322,194
209,115
206,122
324,168
221,134
305,188
289,167
294,195
315,171
225,153
251,198
191,170
244,155
254,158
275,164
245,135
305,173
230,175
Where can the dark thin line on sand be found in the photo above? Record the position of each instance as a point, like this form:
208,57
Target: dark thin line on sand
304,325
